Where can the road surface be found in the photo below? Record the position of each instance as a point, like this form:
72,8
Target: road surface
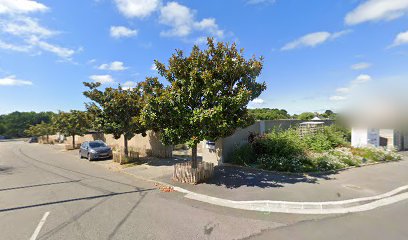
49,194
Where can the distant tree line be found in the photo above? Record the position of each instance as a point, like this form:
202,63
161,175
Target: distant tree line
279,114
14,125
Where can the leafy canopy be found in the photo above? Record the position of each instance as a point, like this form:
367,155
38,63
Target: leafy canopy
41,129
117,111
72,123
207,95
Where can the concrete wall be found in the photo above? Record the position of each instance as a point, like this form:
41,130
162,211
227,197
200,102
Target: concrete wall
212,155
225,146
146,146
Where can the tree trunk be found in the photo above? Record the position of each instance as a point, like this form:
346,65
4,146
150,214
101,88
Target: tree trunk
48,139
126,146
194,161
73,141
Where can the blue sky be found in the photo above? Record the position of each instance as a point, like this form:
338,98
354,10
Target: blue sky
317,52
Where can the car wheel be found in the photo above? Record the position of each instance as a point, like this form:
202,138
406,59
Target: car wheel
80,155
89,157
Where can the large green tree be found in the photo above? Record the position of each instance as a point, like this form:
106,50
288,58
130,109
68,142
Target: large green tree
207,95
73,123
117,111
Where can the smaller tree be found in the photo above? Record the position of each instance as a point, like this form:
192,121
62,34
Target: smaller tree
117,111
73,123
41,129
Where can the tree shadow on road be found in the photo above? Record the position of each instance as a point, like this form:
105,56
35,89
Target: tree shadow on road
235,177
5,170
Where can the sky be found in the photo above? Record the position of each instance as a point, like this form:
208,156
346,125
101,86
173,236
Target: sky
317,53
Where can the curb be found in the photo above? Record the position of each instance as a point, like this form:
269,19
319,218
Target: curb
314,208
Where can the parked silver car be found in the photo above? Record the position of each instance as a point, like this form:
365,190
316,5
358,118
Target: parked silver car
95,150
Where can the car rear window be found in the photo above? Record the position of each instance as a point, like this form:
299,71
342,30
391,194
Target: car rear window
97,144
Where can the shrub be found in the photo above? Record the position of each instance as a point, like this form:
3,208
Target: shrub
329,138
377,154
285,164
243,155
318,142
328,163
279,143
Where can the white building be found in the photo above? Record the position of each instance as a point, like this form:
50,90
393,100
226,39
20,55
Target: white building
390,138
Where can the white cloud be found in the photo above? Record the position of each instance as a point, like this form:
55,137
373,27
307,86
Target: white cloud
258,101
25,26
313,39
182,23
62,52
153,67
13,81
361,66
121,31
21,6
343,90
377,10
209,25
338,98
179,17
200,41
363,78
19,29
402,38
13,47
343,93
137,8
103,79
113,66
129,85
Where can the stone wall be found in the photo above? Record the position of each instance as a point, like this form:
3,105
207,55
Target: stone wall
145,146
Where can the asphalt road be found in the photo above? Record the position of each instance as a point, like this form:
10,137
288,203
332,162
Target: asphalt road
85,201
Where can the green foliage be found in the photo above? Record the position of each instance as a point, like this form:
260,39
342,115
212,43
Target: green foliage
306,116
285,164
72,123
329,114
41,129
207,95
243,155
13,125
324,151
377,154
118,111
318,142
269,114
279,143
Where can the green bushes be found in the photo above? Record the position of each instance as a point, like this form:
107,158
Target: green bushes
325,150
244,155
376,154
279,144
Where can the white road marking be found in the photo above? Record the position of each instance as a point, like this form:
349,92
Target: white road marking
38,229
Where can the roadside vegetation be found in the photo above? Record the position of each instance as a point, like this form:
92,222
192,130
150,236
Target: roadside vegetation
288,151
14,125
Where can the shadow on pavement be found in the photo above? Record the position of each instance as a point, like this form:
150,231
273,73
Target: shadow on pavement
6,170
74,200
235,177
37,185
